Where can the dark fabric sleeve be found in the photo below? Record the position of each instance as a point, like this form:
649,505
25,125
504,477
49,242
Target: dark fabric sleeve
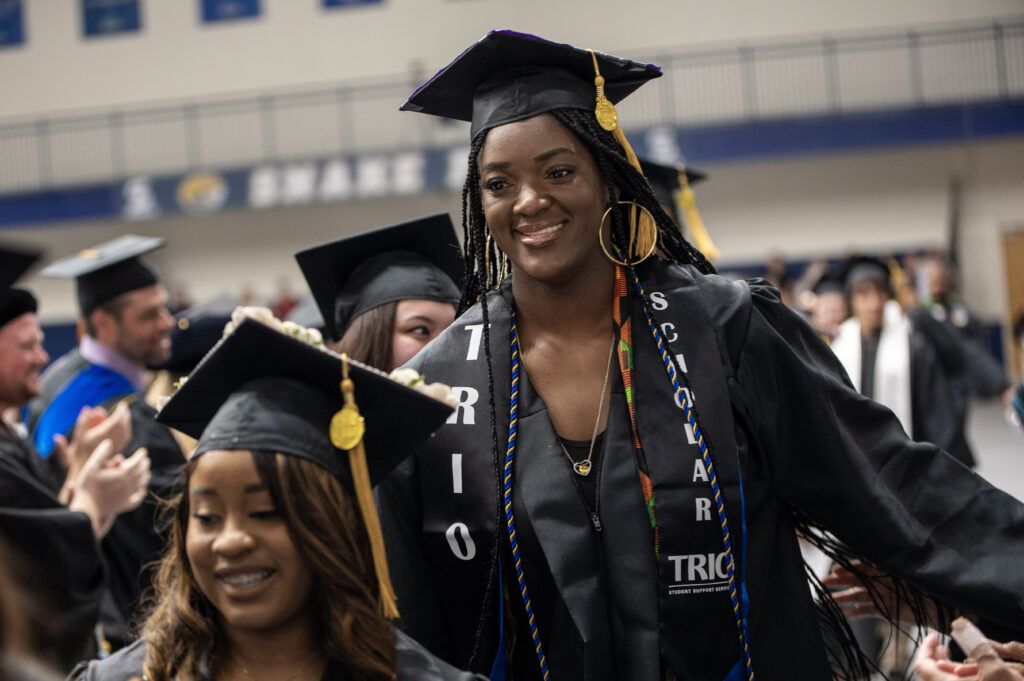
845,462
416,664
54,559
419,606
124,665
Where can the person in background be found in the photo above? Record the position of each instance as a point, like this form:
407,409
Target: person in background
387,293
828,308
672,186
959,337
51,536
776,273
1014,398
127,328
637,439
275,568
893,362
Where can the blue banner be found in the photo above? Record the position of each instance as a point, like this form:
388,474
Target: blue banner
12,23
107,17
353,177
229,10
331,4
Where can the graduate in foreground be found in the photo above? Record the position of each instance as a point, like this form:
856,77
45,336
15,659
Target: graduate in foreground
275,568
638,441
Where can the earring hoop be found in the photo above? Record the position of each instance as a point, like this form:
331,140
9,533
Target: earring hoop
643,234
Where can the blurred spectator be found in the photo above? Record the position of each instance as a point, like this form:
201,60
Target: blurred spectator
285,301
958,335
180,299
892,362
828,309
776,272
1014,399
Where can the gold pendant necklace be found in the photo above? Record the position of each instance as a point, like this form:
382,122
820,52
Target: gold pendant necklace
583,467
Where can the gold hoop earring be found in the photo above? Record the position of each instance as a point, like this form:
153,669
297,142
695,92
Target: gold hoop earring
643,234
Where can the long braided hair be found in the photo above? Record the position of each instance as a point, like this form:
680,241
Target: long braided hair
483,270
481,258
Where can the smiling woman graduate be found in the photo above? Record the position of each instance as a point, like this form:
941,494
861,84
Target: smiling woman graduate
275,568
638,439
386,293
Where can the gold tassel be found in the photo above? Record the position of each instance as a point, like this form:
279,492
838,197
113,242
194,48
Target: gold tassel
347,429
643,233
899,280
688,202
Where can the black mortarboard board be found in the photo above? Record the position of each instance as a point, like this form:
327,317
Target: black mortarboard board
260,389
15,262
509,76
866,268
103,272
15,302
664,180
420,259
829,282
196,330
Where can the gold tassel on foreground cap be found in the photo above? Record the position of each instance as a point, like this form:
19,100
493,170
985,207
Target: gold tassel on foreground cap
688,202
643,231
347,430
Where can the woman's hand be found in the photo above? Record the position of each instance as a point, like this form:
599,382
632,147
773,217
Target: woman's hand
932,663
857,602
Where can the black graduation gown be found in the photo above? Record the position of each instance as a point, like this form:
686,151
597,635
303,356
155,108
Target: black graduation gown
414,663
781,417
938,399
134,543
53,555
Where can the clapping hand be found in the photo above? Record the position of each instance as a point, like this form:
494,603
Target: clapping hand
108,485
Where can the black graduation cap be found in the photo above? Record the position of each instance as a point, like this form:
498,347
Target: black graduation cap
829,282
509,76
866,268
420,259
15,262
15,302
664,180
104,272
260,389
196,330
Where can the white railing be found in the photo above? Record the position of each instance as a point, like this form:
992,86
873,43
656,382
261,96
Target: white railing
708,87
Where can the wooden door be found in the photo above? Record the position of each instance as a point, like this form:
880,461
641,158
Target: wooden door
1013,254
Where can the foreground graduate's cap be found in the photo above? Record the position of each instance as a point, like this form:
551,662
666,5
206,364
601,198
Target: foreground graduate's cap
103,272
261,389
509,76
665,181
14,302
420,259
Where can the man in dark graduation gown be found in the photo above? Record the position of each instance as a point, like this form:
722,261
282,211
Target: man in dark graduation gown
49,549
782,418
127,329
